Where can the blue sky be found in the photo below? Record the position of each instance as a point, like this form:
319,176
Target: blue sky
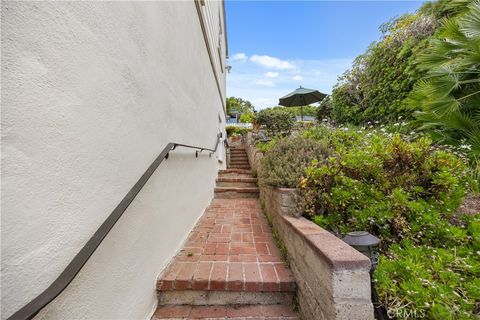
275,46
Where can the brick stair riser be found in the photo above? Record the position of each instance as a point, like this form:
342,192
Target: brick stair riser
236,195
237,184
235,161
240,167
205,298
234,171
235,175
245,164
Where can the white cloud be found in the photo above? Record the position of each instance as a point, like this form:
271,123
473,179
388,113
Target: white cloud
244,80
239,57
271,74
266,83
297,78
271,62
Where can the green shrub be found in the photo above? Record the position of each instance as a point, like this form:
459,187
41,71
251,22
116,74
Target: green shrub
285,161
388,186
276,121
235,131
264,146
406,193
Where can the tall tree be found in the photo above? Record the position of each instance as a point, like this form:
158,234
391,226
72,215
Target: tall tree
239,105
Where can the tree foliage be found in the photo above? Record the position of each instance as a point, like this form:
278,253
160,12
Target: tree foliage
239,105
381,78
297,111
276,121
247,117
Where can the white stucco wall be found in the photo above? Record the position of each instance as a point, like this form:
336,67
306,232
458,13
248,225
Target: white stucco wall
91,93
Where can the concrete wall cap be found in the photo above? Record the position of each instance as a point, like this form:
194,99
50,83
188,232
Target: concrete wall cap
337,254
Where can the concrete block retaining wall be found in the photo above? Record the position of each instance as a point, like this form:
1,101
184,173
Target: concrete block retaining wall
332,278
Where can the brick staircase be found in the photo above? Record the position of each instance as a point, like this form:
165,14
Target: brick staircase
230,266
236,181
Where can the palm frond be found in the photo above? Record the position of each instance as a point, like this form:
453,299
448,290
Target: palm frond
470,23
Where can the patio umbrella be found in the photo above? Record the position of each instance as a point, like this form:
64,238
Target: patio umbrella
301,97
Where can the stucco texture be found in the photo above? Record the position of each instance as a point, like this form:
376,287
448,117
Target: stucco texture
91,93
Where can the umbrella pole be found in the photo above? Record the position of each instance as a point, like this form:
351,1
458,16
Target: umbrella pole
301,112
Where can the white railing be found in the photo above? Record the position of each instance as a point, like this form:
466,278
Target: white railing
243,125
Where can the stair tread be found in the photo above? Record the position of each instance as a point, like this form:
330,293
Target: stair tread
233,170
236,179
237,189
257,311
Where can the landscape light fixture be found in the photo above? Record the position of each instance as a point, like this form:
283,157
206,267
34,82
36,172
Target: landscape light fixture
367,244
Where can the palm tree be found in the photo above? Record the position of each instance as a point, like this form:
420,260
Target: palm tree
449,96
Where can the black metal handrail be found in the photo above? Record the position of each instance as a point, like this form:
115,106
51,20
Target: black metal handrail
73,268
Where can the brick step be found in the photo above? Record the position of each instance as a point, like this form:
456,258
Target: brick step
243,167
239,154
233,311
236,182
235,176
237,157
236,192
247,166
238,160
223,275
234,171
236,163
